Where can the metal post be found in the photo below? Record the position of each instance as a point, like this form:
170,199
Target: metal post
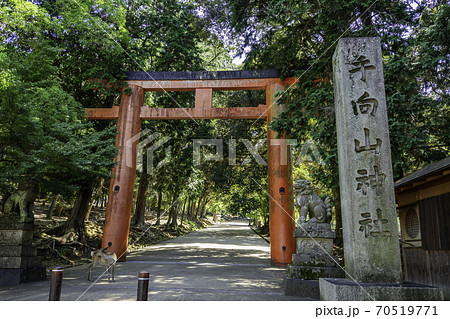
143,280
55,284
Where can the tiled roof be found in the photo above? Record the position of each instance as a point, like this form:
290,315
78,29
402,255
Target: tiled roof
424,172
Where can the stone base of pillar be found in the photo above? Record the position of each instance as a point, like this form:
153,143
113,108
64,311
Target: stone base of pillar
314,259
19,262
340,289
301,288
16,276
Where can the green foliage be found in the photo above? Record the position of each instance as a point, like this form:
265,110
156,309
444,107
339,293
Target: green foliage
290,35
42,131
49,51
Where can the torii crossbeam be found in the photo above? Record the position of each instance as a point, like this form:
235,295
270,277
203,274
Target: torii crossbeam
131,112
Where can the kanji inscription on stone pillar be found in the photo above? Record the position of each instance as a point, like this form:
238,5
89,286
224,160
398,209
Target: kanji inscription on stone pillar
369,217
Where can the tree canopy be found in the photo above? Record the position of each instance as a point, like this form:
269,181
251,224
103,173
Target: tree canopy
51,49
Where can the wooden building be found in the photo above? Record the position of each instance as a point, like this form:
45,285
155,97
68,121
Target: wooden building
423,201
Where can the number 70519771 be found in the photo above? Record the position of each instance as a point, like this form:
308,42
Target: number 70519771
406,310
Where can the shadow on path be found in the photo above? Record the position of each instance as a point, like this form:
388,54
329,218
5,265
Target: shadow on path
227,261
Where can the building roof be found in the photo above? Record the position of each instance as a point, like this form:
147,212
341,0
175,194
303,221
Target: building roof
424,172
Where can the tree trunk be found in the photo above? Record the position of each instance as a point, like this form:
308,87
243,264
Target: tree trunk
192,213
52,206
169,217
204,207
174,211
174,222
75,222
188,210
59,208
158,209
79,211
198,207
265,228
182,214
96,195
133,203
139,213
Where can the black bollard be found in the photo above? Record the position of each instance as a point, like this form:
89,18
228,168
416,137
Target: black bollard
142,293
55,284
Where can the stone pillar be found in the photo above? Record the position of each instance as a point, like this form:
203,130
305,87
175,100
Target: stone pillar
281,201
118,210
19,262
369,217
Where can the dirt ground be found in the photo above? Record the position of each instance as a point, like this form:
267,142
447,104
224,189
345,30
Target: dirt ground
66,252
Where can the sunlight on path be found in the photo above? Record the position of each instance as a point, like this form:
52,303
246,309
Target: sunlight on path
226,261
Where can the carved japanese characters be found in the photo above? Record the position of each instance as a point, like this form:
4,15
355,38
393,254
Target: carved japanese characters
369,217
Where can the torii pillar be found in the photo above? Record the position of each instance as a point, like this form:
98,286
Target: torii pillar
281,201
120,200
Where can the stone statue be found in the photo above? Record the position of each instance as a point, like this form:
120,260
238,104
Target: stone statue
22,200
314,238
308,203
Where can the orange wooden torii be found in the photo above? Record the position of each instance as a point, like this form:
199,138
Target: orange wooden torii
131,112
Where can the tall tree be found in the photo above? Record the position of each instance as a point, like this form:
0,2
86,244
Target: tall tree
301,35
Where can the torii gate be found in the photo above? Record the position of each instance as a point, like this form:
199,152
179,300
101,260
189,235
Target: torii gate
131,112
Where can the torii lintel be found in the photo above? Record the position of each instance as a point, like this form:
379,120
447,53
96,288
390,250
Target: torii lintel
203,83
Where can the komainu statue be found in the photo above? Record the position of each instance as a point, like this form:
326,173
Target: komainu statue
308,203
22,200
